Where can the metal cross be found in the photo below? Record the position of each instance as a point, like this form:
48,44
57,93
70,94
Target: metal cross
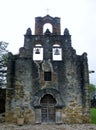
47,10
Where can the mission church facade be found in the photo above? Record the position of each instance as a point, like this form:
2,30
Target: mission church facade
47,81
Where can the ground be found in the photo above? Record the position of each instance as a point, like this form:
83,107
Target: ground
6,126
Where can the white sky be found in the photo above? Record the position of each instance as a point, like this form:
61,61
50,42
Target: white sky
79,16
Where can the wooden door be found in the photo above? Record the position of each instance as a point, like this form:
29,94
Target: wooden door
48,108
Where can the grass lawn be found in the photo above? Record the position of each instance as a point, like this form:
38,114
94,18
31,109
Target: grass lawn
93,115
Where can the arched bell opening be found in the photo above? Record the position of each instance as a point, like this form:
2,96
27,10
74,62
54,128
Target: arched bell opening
38,52
57,52
47,26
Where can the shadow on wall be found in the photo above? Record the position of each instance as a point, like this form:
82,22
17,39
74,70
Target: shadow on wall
2,100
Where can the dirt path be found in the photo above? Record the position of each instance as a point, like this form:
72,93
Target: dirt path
5,126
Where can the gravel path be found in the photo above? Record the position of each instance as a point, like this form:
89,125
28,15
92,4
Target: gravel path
5,126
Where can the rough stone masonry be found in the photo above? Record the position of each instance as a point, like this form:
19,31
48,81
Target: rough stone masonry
47,81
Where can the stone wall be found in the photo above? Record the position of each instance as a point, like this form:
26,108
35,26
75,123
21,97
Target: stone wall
2,100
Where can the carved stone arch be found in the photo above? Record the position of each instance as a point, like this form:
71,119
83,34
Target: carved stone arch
48,110
40,21
40,94
47,66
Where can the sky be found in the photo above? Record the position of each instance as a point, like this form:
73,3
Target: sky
79,16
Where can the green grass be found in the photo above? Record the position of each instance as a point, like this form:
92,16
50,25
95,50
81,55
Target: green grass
93,115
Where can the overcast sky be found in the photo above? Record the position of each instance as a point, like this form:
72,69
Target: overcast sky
79,16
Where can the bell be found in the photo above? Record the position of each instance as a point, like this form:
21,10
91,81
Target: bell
37,51
56,52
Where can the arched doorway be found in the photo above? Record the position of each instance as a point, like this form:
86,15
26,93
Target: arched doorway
48,108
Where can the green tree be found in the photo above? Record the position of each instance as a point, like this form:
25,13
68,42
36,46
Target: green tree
3,63
92,88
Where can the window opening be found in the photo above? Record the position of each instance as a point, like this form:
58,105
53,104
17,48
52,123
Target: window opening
47,76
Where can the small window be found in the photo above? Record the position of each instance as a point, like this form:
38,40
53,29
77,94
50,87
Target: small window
47,76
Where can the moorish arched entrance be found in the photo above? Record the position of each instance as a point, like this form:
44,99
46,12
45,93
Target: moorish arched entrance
48,105
48,108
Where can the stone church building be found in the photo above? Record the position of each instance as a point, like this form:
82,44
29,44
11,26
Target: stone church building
47,81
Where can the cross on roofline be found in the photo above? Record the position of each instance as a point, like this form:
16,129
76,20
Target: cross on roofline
47,10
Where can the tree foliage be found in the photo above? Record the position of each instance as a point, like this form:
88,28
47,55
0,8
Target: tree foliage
3,63
92,88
